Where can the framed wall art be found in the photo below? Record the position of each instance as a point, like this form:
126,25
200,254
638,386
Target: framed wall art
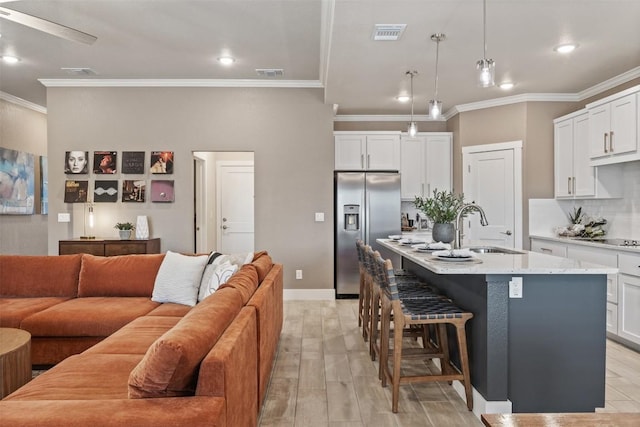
133,162
104,162
162,191
133,191
75,191
161,162
105,191
76,162
17,182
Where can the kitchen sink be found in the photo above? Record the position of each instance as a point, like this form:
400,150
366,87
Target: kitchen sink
494,250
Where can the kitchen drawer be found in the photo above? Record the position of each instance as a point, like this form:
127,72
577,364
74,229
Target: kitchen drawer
612,318
629,263
594,255
549,248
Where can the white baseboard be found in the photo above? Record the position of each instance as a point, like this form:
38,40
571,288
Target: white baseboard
480,404
309,294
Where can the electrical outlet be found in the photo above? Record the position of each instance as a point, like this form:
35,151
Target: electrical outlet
64,217
515,287
299,274
319,216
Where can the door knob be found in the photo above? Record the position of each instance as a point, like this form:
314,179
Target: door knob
224,219
508,232
224,227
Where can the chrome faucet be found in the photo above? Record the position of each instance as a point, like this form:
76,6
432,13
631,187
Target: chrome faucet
467,207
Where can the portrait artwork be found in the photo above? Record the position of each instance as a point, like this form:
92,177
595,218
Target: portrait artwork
104,162
161,162
76,162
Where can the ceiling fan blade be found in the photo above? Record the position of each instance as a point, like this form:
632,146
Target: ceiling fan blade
47,26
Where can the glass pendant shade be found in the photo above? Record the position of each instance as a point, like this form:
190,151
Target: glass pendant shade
412,130
486,72
435,109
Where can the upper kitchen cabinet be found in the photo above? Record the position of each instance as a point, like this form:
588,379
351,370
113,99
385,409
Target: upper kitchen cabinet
426,164
613,128
367,150
574,176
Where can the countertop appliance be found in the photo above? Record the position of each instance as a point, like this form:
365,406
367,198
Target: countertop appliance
366,207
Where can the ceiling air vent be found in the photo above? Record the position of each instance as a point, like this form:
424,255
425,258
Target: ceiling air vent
388,32
79,71
270,72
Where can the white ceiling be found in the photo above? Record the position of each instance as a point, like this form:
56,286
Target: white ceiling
327,43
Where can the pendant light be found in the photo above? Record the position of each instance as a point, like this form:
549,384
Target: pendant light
486,67
413,126
435,106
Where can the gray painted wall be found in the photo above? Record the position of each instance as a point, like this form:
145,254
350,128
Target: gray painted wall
289,130
25,130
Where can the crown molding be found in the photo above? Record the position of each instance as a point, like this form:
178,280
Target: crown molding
22,102
634,73
384,118
181,83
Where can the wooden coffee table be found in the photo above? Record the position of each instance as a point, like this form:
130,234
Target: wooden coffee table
15,359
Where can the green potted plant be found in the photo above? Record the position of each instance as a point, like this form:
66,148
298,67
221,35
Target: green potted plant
442,209
124,229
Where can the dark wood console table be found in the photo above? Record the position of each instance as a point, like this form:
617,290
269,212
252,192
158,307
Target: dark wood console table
104,247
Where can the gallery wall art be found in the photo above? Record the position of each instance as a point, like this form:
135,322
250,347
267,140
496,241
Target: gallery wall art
105,191
162,191
76,162
161,162
17,182
104,162
75,191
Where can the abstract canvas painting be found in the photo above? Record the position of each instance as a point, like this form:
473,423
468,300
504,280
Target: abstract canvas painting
17,182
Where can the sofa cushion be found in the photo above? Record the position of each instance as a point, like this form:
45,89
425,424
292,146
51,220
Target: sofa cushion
170,366
14,310
245,281
178,279
135,337
82,377
215,275
169,309
118,276
87,317
39,276
263,263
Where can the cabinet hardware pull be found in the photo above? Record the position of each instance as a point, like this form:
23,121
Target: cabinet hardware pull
423,189
368,161
569,185
611,141
508,232
546,250
605,143
362,161
574,185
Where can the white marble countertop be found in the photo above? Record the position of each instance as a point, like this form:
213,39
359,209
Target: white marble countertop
492,263
574,241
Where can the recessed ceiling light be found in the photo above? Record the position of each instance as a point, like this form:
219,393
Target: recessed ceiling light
506,85
10,59
226,60
403,98
565,48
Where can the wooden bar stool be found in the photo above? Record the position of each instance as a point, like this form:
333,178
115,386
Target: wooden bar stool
410,286
439,312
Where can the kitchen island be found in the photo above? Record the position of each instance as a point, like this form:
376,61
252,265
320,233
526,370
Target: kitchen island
541,352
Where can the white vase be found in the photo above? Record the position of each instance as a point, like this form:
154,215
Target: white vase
124,234
142,227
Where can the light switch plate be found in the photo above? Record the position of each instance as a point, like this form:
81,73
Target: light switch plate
319,216
64,217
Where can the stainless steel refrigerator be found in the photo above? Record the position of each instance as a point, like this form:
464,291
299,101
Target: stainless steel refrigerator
367,207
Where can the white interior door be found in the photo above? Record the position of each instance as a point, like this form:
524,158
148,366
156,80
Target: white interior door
492,178
234,188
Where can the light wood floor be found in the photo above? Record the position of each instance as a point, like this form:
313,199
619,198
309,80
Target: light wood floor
324,377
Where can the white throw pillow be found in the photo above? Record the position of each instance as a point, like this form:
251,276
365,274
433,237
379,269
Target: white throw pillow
178,279
214,276
235,259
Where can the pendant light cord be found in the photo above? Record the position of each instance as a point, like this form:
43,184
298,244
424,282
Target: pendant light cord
484,25
412,73
437,58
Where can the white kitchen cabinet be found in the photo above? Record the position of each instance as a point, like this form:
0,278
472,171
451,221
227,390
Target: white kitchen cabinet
612,318
613,128
598,256
367,150
425,164
549,248
629,297
574,176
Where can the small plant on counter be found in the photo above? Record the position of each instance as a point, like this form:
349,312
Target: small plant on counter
124,226
576,216
583,226
442,207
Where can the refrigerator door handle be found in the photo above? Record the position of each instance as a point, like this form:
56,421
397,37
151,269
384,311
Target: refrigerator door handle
367,201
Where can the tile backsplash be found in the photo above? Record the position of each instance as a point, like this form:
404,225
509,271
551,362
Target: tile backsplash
623,215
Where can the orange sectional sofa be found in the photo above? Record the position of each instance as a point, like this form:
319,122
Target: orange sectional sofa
122,359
